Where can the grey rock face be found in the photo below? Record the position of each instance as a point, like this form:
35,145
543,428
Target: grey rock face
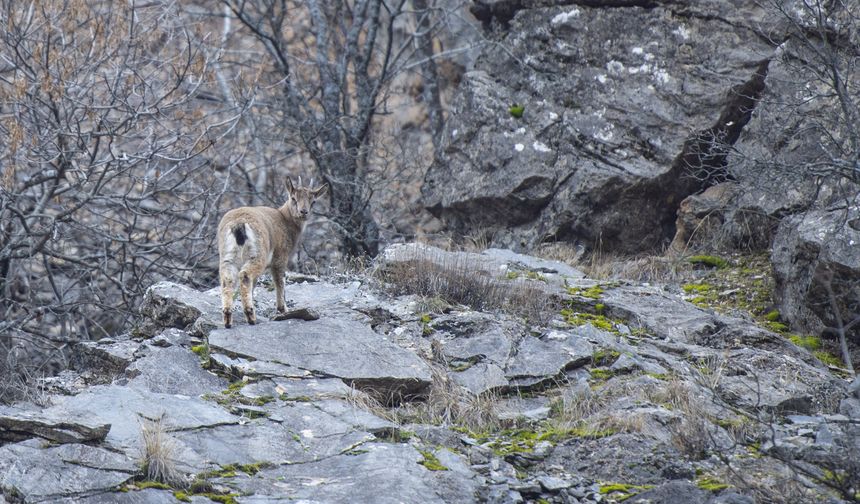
330,347
124,407
167,304
104,358
17,424
172,370
293,434
367,476
46,474
808,249
603,150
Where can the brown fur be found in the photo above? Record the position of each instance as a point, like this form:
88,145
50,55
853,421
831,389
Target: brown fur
270,237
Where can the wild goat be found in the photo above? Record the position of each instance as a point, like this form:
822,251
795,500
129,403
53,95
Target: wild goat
250,239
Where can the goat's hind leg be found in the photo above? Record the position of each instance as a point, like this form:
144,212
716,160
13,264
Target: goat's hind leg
247,279
228,274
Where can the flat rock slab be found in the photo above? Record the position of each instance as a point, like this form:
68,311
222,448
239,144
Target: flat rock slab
333,347
540,359
296,389
759,379
377,472
145,496
354,416
45,474
172,370
244,367
667,317
482,377
294,433
17,424
124,408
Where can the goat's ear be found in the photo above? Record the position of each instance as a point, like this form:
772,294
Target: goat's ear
289,184
319,191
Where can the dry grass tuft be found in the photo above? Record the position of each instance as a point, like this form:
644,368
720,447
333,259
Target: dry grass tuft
447,404
458,282
158,454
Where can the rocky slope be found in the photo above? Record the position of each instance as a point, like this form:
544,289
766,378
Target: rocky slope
559,389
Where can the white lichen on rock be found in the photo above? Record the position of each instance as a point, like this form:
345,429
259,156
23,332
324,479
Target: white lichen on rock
564,17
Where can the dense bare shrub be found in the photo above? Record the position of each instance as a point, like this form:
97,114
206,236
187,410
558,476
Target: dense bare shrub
103,185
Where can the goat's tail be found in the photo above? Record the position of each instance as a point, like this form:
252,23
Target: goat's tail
239,234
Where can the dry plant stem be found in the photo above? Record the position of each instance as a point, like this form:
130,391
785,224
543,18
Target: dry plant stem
827,281
158,454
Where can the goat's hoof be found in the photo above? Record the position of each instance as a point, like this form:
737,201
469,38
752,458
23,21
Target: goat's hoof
228,319
249,315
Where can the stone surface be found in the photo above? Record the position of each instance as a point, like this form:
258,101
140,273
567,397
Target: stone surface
366,476
482,377
172,370
40,473
298,389
806,250
167,304
330,347
293,433
105,358
17,424
125,407
603,150
285,400
538,360
496,263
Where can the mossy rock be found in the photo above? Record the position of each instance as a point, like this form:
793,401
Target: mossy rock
711,484
431,462
708,260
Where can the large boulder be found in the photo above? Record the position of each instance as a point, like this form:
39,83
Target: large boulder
619,124
788,159
811,252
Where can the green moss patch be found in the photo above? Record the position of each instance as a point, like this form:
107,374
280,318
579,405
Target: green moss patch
601,374
711,484
431,462
593,292
709,261
810,343
604,357
577,318
622,491
828,358
142,485
524,440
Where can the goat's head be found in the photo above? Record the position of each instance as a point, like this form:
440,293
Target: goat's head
302,198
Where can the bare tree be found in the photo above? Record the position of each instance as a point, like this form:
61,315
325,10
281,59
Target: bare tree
334,62
103,186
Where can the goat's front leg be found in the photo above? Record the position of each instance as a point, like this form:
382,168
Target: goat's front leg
278,279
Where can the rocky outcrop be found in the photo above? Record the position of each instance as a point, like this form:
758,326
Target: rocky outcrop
814,255
615,394
619,124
